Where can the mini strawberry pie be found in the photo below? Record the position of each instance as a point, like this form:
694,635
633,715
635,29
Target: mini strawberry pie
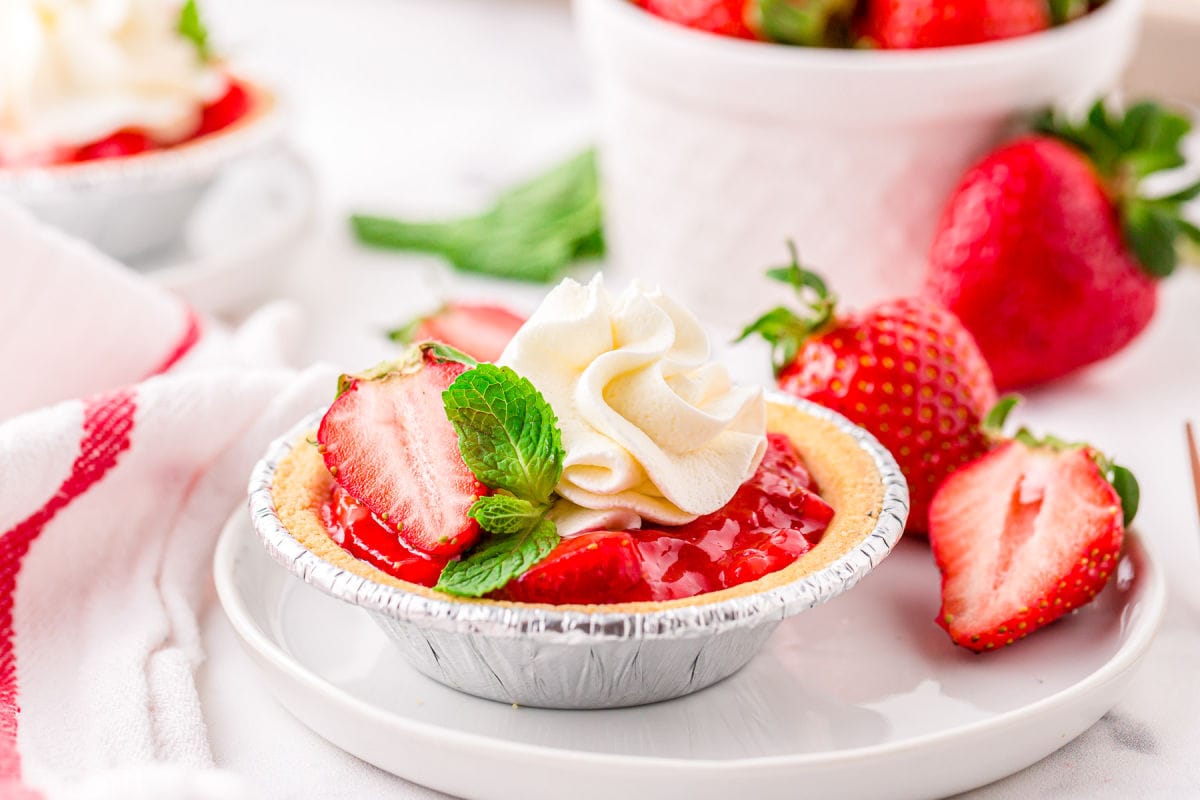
93,81
602,461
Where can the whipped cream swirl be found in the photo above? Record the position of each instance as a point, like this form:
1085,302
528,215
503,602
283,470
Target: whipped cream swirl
651,427
75,71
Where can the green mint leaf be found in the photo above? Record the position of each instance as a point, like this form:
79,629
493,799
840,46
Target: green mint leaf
191,27
496,561
501,514
532,233
1127,489
507,432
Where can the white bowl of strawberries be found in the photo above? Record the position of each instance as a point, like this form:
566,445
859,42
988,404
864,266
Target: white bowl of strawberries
715,148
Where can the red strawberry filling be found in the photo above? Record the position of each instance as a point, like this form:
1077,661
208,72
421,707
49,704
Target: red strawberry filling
775,518
217,115
359,532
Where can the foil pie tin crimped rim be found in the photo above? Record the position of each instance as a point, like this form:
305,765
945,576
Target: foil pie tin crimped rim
563,626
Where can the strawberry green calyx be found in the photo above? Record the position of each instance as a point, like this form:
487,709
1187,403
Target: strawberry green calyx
1125,148
407,363
1122,480
784,329
811,23
1064,11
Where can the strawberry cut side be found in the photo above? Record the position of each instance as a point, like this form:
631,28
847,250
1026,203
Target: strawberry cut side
1022,536
387,441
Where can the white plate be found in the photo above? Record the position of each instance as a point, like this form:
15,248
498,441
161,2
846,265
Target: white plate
863,697
242,237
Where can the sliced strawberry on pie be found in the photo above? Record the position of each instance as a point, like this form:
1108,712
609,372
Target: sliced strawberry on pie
1025,534
387,442
595,568
481,331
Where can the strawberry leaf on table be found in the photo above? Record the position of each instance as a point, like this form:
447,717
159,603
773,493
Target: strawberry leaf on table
509,438
1124,149
498,560
532,233
191,27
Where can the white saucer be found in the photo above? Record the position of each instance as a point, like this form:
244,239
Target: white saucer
864,697
242,237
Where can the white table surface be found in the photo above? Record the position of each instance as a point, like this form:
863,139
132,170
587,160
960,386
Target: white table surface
428,106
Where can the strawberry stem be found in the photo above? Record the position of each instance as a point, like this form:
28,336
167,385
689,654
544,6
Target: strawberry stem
784,329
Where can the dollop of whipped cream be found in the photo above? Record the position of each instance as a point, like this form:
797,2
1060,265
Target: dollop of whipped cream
652,428
75,71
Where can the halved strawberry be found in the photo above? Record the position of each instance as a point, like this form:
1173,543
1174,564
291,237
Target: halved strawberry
386,439
479,330
1025,534
594,568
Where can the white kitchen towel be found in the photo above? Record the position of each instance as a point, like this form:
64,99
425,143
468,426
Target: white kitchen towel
128,426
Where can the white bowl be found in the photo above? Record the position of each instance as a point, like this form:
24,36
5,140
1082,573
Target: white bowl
716,150
131,206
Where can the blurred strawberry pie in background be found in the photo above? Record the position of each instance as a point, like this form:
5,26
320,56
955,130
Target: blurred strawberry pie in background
116,119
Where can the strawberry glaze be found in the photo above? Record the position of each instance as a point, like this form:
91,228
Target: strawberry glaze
217,115
772,520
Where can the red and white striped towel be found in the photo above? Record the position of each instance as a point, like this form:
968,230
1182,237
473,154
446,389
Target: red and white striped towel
128,426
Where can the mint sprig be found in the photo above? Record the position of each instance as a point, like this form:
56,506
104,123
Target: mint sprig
509,438
532,233
499,560
502,514
507,432
191,27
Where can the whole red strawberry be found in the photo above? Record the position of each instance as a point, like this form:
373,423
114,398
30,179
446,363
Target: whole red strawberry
1025,534
908,24
1048,253
906,370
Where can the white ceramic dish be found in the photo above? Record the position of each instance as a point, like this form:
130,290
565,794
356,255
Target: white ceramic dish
863,697
241,238
131,206
716,150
